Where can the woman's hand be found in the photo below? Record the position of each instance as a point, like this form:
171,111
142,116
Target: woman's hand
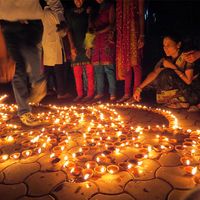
168,64
191,56
141,42
73,54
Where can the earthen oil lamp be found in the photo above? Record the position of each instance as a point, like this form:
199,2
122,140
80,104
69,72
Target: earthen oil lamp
112,169
100,170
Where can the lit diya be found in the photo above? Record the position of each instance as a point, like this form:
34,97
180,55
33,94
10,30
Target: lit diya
26,153
186,160
87,173
4,157
190,170
125,165
91,164
76,170
15,156
100,170
112,169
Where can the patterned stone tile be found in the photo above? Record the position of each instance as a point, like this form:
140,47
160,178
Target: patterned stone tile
170,159
47,164
113,184
1,177
178,194
75,191
17,172
112,197
176,177
6,164
147,170
30,159
42,183
148,190
12,192
38,198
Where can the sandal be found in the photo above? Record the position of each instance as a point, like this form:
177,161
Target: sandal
193,109
178,105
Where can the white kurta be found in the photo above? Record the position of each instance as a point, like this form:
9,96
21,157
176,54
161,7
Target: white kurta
53,50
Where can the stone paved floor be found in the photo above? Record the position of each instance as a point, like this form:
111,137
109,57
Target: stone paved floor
163,177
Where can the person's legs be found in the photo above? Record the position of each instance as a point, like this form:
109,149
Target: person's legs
32,55
60,79
51,79
99,76
110,73
90,79
17,41
19,82
137,76
127,83
78,72
85,81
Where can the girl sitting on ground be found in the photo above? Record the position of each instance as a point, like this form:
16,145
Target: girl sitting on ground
173,72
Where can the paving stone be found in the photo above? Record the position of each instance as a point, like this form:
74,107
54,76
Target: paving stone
113,197
38,198
5,164
12,192
155,189
178,194
148,170
41,183
17,172
170,159
113,184
75,191
176,177
1,177
47,164
31,159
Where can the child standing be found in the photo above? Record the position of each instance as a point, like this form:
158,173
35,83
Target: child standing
104,48
54,59
78,22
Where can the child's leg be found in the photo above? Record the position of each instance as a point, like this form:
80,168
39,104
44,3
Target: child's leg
78,72
90,79
110,73
60,79
50,77
99,77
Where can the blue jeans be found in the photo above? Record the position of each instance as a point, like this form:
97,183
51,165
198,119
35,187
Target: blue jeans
109,70
23,43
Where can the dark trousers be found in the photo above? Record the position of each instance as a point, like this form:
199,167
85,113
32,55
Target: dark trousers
56,77
23,44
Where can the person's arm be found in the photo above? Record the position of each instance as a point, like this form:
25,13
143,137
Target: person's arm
72,46
150,78
191,56
141,24
186,76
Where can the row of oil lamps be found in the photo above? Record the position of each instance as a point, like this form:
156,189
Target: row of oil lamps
95,168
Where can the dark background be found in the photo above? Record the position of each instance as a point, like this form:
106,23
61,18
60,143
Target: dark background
161,17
